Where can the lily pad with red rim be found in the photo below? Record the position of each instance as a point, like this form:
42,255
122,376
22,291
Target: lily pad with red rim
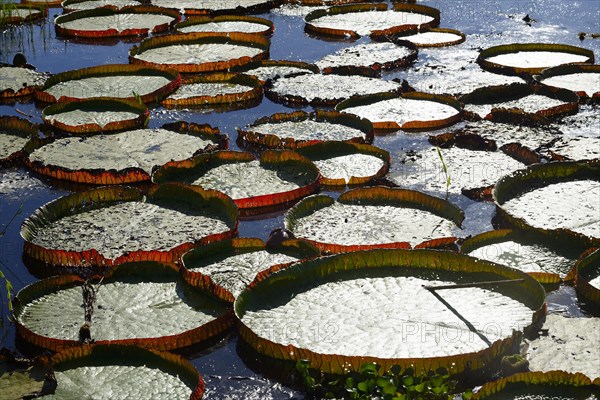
276,180
216,7
271,69
587,276
16,135
298,129
375,217
583,79
59,312
79,5
42,3
113,225
362,302
25,12
227,23
19,81
427,37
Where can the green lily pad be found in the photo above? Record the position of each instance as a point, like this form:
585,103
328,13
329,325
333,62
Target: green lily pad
16,138
271,69
24,379
582,79
167,313
227,23
15,13
587,276
374,217
113,225
18,81
431,37
375,306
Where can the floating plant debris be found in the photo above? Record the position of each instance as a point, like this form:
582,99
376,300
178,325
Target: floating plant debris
201,51
18,81
227,23
375,217
16,135
271,69
300,128
400,286
118,81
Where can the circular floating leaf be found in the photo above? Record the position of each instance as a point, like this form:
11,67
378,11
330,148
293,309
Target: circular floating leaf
408,111
342,163
587,278
430,37
298,129
15,139
15,14
278,179
80,5
221,88
271,69
115,371
376,217
527,199
531,58
146,303
582,79
324,90
96,115
369,57
118,81
225,268
227,23
113,225
542,385
124,157
381,297
42,3
200,52
18,81
519,98
369,19
111,22
517,250
194,7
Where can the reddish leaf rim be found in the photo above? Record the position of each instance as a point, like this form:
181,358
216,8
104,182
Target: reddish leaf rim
39,13
252,94
357,8
178,171
250,137
22,128
324,267
521,47
42,3
113,10
587,264
176,341
572,69
130,174
200,20
97,104
247,68
235,38
409,125
328,149
233,247
9,94
109,195
111,70
81,354
539,175
255,9
400,36
378,195
553,378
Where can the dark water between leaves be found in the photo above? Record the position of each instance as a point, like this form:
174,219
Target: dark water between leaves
230,370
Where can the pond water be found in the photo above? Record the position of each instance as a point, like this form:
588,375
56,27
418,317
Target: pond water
230,370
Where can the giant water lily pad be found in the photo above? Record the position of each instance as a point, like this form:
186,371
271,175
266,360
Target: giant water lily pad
300,128
121,372
124,157
582,79
372,306
409,111
531,58
18,81
14,13
223,89
519,98
167,312
278,178
431,37
93,116
375,217
227,23
369,57
528,199
117,81
201,51
226,268
42,3
324,90
470,172
20,378
539,385
113,225
111,22
587,276
517,250
195,7
15,136
271,69
80,5
369,19
347,163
